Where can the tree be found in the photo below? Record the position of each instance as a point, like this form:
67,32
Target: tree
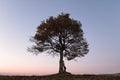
61,36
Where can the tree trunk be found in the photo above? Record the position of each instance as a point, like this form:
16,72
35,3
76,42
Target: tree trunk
61,63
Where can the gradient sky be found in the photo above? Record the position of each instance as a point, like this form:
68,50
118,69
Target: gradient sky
20,18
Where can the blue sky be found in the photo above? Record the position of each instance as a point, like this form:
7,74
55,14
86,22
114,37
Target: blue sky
20,18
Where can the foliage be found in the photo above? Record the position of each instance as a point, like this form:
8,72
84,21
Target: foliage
60,34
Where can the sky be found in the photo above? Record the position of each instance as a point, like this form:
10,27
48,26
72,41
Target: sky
19,20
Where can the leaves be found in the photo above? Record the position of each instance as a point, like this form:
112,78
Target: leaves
61,33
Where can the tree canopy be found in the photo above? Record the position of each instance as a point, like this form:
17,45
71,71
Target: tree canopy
62,36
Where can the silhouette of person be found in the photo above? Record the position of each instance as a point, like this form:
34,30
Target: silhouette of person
64,68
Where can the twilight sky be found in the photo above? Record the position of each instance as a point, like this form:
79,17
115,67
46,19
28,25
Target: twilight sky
20,18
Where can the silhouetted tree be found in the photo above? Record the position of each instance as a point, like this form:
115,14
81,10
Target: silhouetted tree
62,36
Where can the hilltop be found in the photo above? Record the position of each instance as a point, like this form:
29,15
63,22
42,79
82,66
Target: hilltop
64,76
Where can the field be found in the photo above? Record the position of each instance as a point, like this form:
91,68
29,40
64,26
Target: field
62,77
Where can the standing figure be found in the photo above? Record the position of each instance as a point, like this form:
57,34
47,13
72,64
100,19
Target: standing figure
64,67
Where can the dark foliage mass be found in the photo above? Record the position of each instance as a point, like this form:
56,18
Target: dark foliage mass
62,36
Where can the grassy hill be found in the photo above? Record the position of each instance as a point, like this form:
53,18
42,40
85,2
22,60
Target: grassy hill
62,77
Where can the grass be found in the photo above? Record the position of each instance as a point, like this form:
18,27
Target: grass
62,77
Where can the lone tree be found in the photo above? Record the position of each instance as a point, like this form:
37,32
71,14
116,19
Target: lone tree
61,36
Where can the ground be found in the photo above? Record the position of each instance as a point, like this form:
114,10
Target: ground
64,76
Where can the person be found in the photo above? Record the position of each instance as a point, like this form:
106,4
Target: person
64,67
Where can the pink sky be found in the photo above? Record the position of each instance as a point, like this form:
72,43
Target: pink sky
20,18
